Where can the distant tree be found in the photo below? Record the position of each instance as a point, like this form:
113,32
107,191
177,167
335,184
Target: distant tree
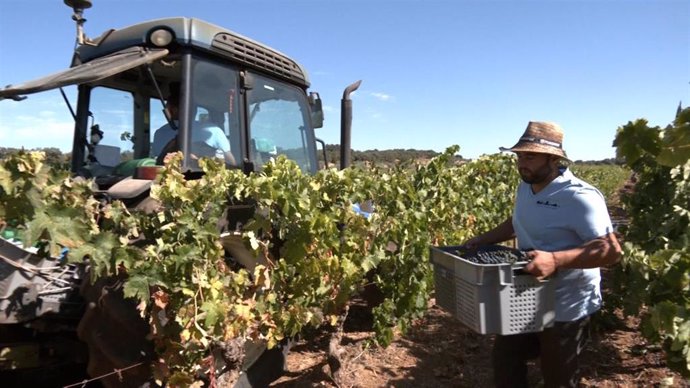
126,155
607,161
379,157
54,157
4,152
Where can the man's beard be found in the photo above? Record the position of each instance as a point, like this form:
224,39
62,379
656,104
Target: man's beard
541,175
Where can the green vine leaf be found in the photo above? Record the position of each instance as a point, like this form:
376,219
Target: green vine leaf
635,140
676,141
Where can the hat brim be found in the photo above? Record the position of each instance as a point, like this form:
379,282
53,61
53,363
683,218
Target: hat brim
537,148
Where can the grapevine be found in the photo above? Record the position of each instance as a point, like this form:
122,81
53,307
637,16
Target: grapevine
313,251
655,276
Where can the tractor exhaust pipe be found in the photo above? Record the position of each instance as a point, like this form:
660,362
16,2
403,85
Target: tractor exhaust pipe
346,125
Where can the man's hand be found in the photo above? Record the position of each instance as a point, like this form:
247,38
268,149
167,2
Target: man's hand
542,264
473,243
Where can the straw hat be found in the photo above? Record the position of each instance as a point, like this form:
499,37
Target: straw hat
541,137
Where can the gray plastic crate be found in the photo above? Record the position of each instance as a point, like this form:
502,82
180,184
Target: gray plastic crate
491,298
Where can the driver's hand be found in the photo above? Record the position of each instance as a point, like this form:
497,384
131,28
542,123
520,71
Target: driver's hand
230,159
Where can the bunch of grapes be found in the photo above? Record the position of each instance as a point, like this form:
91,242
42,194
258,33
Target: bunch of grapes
493,254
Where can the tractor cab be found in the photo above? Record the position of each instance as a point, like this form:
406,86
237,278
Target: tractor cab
181,84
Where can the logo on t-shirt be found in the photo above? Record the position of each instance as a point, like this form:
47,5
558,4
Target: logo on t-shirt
548,204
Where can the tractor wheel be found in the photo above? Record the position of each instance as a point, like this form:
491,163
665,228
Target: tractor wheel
115,335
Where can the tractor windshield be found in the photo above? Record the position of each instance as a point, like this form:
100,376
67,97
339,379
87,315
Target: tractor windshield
279,120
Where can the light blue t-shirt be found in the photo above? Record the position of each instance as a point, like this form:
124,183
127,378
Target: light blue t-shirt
567,213
208,140
161,137
216,143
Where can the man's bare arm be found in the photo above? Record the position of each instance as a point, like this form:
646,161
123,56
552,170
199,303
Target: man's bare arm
599,252
503,232
230,158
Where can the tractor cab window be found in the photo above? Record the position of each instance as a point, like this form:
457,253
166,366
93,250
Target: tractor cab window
214,127
110,132
279,120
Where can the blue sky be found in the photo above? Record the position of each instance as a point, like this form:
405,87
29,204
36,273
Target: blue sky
434,73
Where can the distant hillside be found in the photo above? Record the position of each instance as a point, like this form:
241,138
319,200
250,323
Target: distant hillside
388,157
379,157
375,156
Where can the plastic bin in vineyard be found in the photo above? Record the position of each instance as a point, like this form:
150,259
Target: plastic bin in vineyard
491,298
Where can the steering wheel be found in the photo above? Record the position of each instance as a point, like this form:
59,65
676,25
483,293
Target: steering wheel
170,146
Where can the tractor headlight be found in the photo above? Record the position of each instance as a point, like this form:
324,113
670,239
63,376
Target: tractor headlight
161,37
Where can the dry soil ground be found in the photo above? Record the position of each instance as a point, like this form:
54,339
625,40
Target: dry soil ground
440,352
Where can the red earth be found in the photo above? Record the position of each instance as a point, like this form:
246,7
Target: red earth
439,351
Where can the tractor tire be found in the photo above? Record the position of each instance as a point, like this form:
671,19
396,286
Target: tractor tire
115,335
270,366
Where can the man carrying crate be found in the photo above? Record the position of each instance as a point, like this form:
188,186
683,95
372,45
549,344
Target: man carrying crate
564,224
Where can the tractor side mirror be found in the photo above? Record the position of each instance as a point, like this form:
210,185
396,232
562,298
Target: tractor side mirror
316,110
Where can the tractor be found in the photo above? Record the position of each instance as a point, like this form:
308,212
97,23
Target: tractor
53,317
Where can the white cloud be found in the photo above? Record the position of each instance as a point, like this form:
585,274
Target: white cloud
116,112
46,113
376,115
381,96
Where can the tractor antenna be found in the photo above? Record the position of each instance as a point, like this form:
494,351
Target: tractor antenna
79,6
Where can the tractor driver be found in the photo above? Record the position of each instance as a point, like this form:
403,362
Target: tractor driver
208,140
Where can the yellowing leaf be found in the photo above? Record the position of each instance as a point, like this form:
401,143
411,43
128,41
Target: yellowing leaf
185,335
188,292
262,277
242,311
